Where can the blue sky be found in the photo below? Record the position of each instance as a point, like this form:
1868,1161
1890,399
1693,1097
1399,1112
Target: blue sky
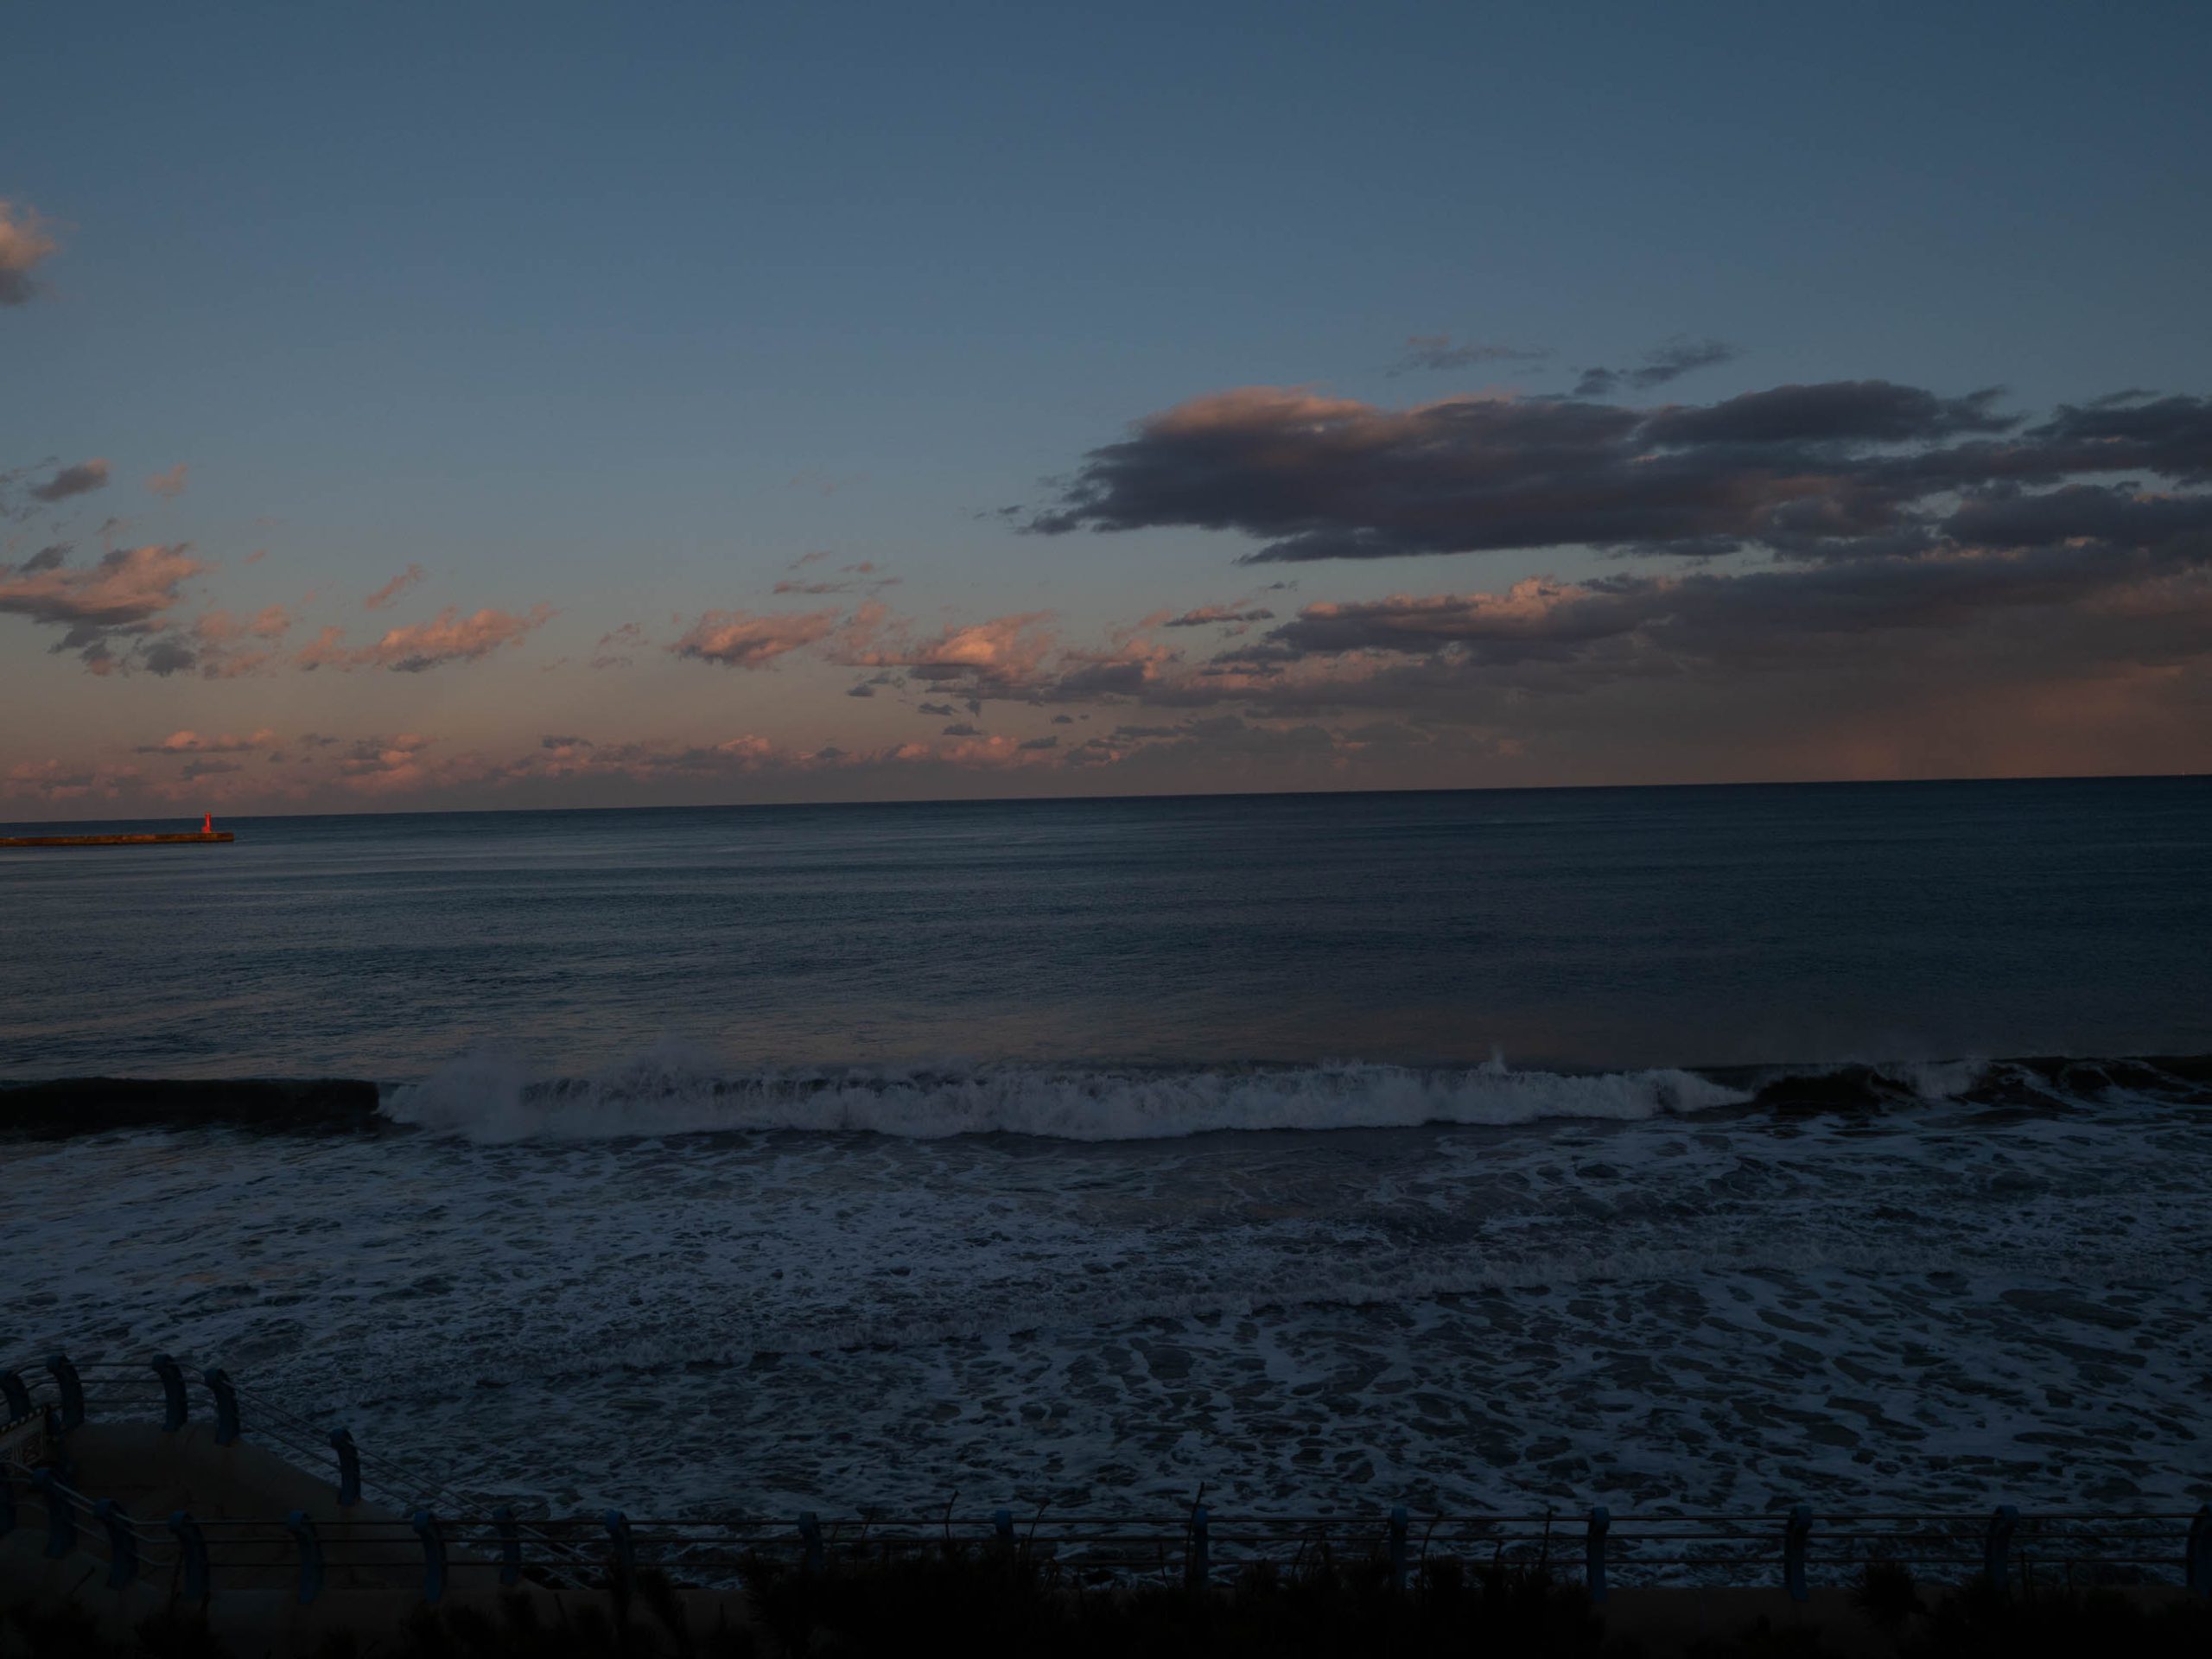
622,311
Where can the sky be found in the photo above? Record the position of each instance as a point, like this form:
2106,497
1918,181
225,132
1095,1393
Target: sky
580,406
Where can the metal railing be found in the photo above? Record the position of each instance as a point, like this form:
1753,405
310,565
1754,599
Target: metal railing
449,1537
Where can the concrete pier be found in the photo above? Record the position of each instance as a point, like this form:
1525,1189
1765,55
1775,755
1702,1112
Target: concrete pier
194,838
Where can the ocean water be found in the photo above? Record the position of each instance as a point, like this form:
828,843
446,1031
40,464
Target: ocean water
1679,1148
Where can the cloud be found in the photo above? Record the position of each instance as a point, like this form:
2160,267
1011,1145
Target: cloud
986,658
99,607
1843,470
25,243
1669,361
189,742
615,645
169,485
742,639
447,638
412,575
82,479
1208,615
1436,351
941,710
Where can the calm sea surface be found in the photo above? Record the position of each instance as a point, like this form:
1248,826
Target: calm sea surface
1600,928
1661,1148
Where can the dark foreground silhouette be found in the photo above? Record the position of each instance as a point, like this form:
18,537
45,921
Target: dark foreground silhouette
988,1604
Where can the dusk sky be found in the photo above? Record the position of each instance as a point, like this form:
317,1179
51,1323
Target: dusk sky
572,405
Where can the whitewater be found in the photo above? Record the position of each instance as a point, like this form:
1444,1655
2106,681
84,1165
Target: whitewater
675,1290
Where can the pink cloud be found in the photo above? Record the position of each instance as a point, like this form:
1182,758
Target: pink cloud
447,638
392,589
25,243
190,742
169,485
742,639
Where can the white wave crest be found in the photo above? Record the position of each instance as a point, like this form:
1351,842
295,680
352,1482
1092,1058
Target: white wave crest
674,1090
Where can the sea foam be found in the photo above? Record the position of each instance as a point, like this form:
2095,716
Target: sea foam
675,1091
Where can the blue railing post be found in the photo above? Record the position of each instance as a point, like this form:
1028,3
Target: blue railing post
61,1519
1795,1535
122,1543
17,1397
303,1534
1002,1527
509,1545
1398,1551
1198,1566
623,1560
349,1468
73,1391
1995,1543
226,1404
175,1410
434,1556
809,1532
1593,1549
191,1555
2200,1551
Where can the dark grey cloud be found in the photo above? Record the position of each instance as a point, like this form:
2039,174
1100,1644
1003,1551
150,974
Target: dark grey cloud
1669,361
81,478
1864,469
1208,615
1040,743
1436,351
961,728
50,557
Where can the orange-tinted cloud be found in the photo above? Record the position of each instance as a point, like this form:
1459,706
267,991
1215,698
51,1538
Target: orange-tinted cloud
26,243
392,589
743,639
171,484
449,637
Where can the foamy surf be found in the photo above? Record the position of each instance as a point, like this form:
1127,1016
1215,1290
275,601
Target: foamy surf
668,1091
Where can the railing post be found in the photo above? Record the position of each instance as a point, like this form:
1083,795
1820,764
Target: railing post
303,1534
1593,1547
624,1561
1796,1535
1398,1551
7,1505
1197,1566
809,1532
1994,1545
73,1391
122,1543
349,1468
175,1410
434,1556
226,1404
2200,1551
509,1545
17,1397
1002,1527
191,1555
61,1519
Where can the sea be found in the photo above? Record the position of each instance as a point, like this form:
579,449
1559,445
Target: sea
1680,1149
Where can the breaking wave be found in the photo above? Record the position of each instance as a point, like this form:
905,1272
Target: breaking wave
674,1091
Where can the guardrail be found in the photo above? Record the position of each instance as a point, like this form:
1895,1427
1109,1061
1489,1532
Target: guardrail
449,1536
